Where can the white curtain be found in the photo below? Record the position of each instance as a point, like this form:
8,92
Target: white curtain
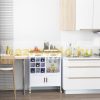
6,24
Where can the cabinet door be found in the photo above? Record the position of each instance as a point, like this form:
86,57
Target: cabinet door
67,15
84,14
96,24
53,65
37,80
53,80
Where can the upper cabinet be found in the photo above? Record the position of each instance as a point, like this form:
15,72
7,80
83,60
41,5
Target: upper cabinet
80,14
96,21
84,14
68,15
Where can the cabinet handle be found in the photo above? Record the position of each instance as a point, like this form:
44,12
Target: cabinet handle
46,79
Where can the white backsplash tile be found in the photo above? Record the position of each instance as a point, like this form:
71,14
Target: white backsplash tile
81,39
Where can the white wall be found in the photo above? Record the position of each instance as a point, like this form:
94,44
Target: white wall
36,21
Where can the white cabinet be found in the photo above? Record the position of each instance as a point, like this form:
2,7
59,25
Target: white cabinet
78,74
76,14
44,71
53,80
38,80
84,14
80,14
96,23
87,14
45,80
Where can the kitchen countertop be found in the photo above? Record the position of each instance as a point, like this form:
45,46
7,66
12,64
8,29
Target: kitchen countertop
69,58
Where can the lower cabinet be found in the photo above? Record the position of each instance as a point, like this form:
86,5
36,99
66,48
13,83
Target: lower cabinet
53,80
80,84
44,71
81,74
36,80
45,80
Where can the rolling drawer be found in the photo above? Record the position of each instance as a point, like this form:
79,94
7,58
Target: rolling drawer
81,72
82,63
69,84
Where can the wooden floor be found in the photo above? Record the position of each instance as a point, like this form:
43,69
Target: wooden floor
51,95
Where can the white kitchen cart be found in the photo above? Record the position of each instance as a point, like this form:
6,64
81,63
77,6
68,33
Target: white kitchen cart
45,71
